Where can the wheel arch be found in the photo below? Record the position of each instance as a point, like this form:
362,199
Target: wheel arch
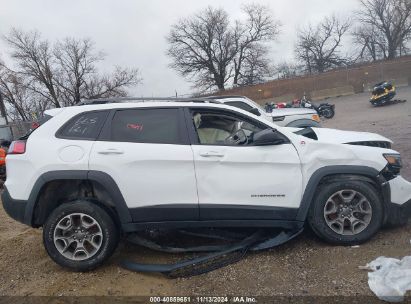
52,187
339,173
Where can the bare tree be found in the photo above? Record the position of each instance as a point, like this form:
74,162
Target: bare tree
22,105
209,51
202,46
65,73
78,77
287,70
250,61
318,47
75,64
113,85
389,21
371,43
34,58
255,67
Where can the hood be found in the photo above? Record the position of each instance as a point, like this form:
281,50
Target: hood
291,111
345,137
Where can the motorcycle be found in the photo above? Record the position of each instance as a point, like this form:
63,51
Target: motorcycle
326,109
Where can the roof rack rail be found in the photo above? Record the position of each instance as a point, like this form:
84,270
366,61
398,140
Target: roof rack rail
224,96
144,99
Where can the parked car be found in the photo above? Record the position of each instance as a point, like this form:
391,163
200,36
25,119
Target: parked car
285,117
90,173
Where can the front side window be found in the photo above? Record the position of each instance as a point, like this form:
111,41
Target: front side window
224,129
159,126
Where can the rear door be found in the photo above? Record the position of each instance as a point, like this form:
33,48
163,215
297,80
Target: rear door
147,152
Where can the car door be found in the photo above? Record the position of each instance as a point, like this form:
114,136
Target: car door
147,153
242,181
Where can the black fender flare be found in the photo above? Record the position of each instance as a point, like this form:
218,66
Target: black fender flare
336,173
98,176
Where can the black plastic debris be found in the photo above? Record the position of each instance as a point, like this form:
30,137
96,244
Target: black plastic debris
219,255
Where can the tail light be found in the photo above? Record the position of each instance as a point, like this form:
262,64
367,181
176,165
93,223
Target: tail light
17,147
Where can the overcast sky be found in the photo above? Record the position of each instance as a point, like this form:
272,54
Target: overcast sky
132,32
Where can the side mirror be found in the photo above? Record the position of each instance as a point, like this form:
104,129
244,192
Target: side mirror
255,111
269,137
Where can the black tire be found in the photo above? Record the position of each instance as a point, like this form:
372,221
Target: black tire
318,224
328,112
109,231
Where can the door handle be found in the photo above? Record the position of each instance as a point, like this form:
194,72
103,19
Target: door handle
211,154
111,152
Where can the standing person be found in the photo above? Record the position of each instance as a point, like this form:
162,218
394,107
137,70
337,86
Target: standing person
4,145
2,156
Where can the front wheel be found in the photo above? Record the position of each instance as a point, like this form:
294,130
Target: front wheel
346,213
80,235
328,112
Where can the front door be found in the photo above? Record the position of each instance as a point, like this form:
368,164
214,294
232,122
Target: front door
238,180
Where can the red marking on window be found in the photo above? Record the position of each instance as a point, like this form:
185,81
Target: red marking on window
137,127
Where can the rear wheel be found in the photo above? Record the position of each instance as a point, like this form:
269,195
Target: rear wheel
80,235
346,213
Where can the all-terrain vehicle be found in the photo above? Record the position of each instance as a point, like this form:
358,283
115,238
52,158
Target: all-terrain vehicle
93,172
382,93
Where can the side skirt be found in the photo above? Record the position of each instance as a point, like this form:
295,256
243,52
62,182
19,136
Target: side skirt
133,227
211,212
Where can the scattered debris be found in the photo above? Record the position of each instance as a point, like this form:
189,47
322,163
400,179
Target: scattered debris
219,256
355,246
390,278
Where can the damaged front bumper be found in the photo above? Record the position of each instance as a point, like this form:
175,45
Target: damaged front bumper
398,208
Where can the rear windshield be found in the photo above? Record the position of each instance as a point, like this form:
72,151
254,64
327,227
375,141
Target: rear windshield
44,119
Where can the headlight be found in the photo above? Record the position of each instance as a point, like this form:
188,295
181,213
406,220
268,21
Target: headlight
315,117
393,168
393,160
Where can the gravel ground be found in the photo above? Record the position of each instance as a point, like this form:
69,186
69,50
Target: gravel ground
303,266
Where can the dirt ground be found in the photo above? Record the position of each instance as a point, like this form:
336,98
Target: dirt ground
304,266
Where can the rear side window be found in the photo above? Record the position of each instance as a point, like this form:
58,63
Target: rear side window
158,126
85,126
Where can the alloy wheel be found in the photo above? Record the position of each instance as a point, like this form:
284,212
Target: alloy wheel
78,236
347,212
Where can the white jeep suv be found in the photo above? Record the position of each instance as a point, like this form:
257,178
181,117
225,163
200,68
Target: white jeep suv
92,172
